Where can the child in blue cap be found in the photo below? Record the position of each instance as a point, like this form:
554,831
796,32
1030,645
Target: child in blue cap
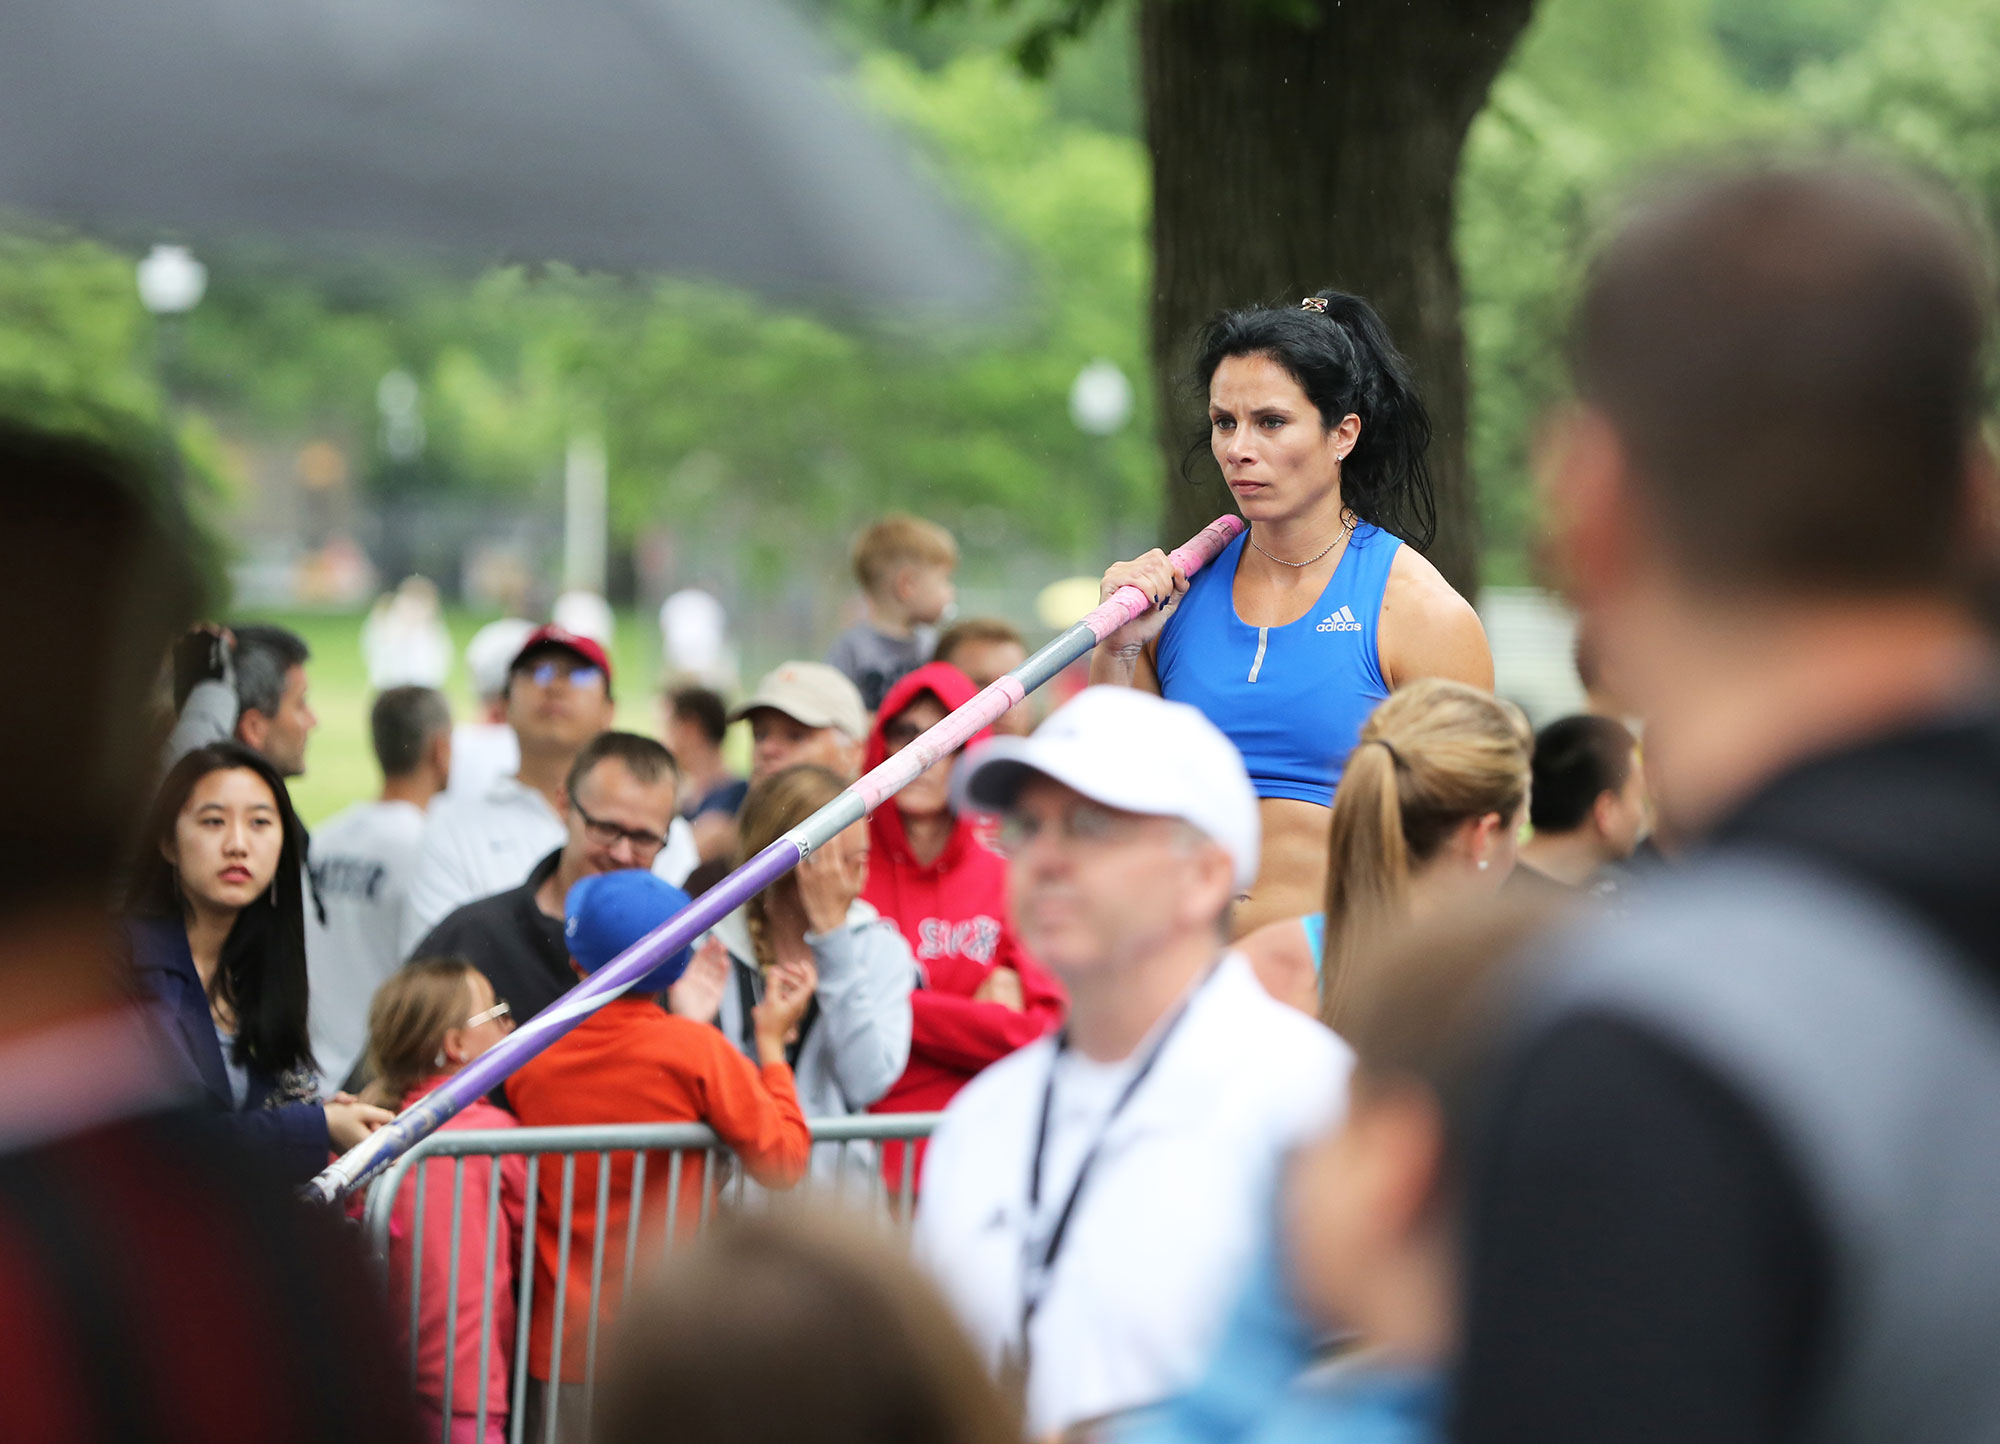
634,1062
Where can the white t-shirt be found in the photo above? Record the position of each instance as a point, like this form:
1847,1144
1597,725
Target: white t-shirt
481,754
361,864
1170,1217
473,848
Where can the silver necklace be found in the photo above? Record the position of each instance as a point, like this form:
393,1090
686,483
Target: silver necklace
1346,528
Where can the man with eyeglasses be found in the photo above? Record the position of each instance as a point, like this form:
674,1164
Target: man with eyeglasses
558,698
1092,1202
617,804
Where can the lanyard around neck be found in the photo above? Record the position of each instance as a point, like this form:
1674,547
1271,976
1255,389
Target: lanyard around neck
1037,1270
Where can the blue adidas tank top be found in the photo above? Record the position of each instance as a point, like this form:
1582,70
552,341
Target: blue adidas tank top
1291,698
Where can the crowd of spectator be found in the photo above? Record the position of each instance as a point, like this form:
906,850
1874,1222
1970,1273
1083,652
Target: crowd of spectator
1321,1052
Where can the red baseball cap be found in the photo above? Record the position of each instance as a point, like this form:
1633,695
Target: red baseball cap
543,638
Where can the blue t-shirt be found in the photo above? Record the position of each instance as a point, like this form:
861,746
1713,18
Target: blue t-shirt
1261,1386
1291,698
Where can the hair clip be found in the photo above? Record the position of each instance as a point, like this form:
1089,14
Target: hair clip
1314,303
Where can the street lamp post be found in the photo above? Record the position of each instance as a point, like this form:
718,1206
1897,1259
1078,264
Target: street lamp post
171,284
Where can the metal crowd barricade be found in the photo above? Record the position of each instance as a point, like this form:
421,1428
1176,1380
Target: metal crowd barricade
685,1144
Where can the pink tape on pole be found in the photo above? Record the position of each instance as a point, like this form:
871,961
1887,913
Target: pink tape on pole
1128,602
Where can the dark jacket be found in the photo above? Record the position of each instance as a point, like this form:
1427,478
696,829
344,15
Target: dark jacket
1655,1249
509,938
294,1134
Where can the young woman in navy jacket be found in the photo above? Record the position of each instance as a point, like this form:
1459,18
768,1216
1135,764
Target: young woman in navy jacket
216,922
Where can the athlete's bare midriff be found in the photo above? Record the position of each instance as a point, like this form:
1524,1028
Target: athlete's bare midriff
1291,877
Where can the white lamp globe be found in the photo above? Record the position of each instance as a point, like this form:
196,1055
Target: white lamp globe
171,280
1100,399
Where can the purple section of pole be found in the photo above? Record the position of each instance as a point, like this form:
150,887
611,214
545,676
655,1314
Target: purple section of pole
420,1119
491,1068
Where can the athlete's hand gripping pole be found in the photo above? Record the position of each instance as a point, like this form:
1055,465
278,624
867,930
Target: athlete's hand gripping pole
484,1073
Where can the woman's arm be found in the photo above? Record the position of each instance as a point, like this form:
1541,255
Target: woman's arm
866,974
755,1110
1125,658
295,1135
1282,958
968,1034
1428,629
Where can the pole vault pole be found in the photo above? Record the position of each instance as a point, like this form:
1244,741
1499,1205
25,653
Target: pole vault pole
420,1119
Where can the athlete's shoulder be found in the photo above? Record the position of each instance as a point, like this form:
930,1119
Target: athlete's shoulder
1428,629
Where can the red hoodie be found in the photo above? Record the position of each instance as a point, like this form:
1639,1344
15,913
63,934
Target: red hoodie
954,914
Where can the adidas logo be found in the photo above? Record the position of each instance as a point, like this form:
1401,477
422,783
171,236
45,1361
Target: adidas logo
1340,621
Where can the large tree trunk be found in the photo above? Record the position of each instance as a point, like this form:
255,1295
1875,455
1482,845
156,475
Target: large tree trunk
1288,156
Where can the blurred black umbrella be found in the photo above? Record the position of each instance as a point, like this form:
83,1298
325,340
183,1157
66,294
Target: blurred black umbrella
698,135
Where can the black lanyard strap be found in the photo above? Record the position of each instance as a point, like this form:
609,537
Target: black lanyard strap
1035,1283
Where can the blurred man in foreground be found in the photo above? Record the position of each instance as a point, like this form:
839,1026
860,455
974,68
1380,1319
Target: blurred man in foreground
155,1281
1092,1201
1736,1182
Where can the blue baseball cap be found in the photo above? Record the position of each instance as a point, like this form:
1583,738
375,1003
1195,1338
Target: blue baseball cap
605,914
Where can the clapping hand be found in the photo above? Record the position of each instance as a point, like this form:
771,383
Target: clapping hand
788,990
698,993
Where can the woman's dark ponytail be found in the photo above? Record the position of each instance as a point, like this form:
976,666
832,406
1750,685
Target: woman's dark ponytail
1337,349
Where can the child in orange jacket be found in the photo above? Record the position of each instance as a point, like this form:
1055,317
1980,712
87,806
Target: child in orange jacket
634,1062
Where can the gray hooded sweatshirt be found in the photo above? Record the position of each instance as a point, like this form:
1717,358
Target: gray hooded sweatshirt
856,1040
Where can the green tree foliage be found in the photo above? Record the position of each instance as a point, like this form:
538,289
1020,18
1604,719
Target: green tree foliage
770,430
1926,88
1769,41
1597,95
714,404
73,338
1592,93
722,405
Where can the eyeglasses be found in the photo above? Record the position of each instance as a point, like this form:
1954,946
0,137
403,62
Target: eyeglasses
1081,822
492,1015
609,834
577,674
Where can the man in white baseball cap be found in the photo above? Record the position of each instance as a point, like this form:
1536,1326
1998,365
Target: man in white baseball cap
1091,1203
804,712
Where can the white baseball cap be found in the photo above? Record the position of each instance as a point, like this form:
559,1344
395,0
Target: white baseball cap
811,694
1135,752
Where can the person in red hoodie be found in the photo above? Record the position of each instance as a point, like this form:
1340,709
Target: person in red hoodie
932,874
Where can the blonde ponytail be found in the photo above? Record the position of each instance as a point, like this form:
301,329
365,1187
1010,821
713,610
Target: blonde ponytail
1433,756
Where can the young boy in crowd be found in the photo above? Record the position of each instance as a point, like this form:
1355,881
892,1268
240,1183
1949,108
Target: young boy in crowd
1367,1238
904,565
634,1062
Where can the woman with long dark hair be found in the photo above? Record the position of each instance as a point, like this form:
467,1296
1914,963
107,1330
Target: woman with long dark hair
1325,604
216,920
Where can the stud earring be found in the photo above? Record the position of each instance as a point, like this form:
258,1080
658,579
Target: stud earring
1483,864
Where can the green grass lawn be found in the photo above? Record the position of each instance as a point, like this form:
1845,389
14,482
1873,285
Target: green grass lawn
340,765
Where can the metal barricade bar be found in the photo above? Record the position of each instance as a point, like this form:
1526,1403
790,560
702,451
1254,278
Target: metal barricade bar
687,1145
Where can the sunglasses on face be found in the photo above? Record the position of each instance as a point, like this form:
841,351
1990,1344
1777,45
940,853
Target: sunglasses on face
577,674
